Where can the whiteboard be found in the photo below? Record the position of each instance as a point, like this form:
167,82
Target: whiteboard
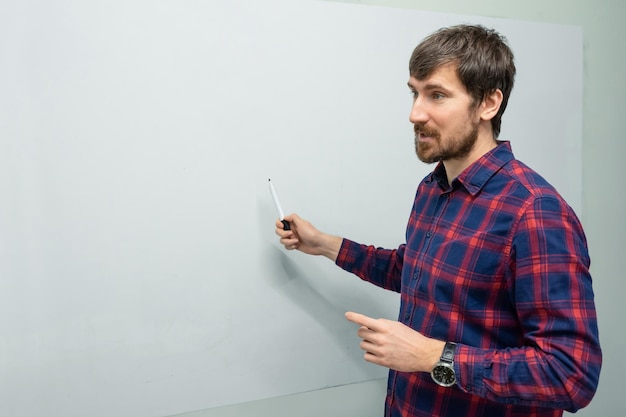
139,270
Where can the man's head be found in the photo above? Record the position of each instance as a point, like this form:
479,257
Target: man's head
483,61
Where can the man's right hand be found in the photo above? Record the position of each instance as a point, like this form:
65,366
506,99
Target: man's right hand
304,237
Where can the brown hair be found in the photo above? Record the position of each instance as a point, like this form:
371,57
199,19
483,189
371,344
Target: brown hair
484,62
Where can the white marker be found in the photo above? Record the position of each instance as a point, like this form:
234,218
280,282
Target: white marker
281,215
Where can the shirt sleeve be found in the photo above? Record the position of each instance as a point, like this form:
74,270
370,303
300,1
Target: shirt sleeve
381,267
558,363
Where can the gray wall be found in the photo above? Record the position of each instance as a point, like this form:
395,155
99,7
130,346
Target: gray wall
138,144
604,147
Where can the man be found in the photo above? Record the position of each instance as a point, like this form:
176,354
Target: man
497,316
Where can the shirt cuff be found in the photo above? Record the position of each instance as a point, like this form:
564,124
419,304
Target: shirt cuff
470,365
345,257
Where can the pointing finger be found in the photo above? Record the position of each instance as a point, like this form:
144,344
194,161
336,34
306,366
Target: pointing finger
362,320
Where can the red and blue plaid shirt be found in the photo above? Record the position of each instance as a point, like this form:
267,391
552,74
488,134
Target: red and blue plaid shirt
498,263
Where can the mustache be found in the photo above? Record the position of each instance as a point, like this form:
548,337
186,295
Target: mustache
420,128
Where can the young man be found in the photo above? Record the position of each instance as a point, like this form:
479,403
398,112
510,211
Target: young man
497,314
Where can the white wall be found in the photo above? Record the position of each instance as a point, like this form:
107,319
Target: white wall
604,148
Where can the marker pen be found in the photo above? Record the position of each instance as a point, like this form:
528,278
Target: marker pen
277,204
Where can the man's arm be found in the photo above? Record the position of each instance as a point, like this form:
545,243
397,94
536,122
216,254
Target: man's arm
382,267
559,363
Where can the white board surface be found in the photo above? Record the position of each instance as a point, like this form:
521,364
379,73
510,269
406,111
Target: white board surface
139,270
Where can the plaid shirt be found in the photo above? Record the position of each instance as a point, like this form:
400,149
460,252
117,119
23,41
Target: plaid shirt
498,263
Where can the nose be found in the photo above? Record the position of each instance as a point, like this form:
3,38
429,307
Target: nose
418,111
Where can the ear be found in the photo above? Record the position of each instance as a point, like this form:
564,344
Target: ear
490,105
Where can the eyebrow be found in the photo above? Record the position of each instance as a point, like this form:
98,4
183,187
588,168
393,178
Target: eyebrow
430,86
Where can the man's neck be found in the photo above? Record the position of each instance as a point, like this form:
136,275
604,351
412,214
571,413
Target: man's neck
454,167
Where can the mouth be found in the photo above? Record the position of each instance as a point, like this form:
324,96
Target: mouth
425,135
421,137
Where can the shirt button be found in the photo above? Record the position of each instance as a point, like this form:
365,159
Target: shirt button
468,388
429,234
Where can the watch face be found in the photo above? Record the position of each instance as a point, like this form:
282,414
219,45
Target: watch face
444,375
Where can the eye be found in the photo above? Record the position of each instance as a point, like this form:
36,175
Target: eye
438,96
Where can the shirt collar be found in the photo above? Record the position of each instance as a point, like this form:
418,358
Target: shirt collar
474,177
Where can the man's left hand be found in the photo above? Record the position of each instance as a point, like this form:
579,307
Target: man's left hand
396,346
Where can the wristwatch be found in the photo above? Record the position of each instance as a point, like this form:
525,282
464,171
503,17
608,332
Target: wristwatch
443,372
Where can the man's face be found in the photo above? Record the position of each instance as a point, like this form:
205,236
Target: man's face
443,115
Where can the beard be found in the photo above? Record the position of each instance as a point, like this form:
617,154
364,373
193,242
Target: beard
456,147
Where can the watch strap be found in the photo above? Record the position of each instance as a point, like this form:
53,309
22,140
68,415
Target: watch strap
448,352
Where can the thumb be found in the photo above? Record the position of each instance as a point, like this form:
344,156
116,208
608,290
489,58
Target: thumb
293,218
